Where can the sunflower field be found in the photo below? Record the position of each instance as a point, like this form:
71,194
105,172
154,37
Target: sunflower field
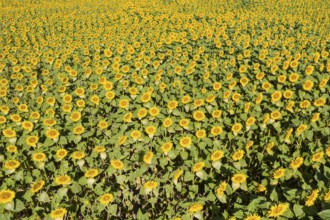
158,109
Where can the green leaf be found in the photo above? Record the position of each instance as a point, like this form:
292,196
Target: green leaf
298,210
75,188
43,197
273,195
325,214
19,206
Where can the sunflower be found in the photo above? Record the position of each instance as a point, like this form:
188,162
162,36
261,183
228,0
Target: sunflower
296,163
91,173
151,130
49,122
185,99
110,95
308,85
199,115
95,99
312,197
145,97
167,122
117,164
216,130
106,198
177,175
142,113
63,180
103,124
301,128
278,210
12,164
52,133
9,133
78,155
6,196
237,127
58,213
198,166
275,115
184,122
238,178
279,173
39,157
61,153
122,140
238,155
195,208
250,121
276,96
11,149
253,217
200,134
135,134
37,186
320,102
221,189
75,116
287,94
186,142
27,125
150,185
216,113
166,147
124,103
318,156
217,155
148,157
78,130
154,111
32,140
172,104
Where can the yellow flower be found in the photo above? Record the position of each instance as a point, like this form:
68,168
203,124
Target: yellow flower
216,130
301,128
312,197
237,127
186,142
6,196
200,134
154,111
320,102
150,130
124,103
261,188
36,187
103,124
172,104
122,140
78,130
250,121
63,180
195,208
142,113
9,133
39,157
253,217
32,140
106,198
78,155
12,164
296,163
278,210
327,196
61,153
11,149
221,189
198,166
217,155
135,134
167,122
58,213
216,113
238,155
91,173
184,122
236,97
177,175
27,125
166,147
185,99
275,115
238,178
75,116
52,133
199,115
150,185
117,164
276,96
317,157
278,173
308,85
148,157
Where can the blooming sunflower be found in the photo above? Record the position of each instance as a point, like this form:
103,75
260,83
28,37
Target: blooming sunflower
197,207
312,197
52,133
148,157
58,213
37,186
117,164
198,166
63,180
278,210
6,196
199,115
238,178
12,164
106,198
39,157
32,140
186,142
91,173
